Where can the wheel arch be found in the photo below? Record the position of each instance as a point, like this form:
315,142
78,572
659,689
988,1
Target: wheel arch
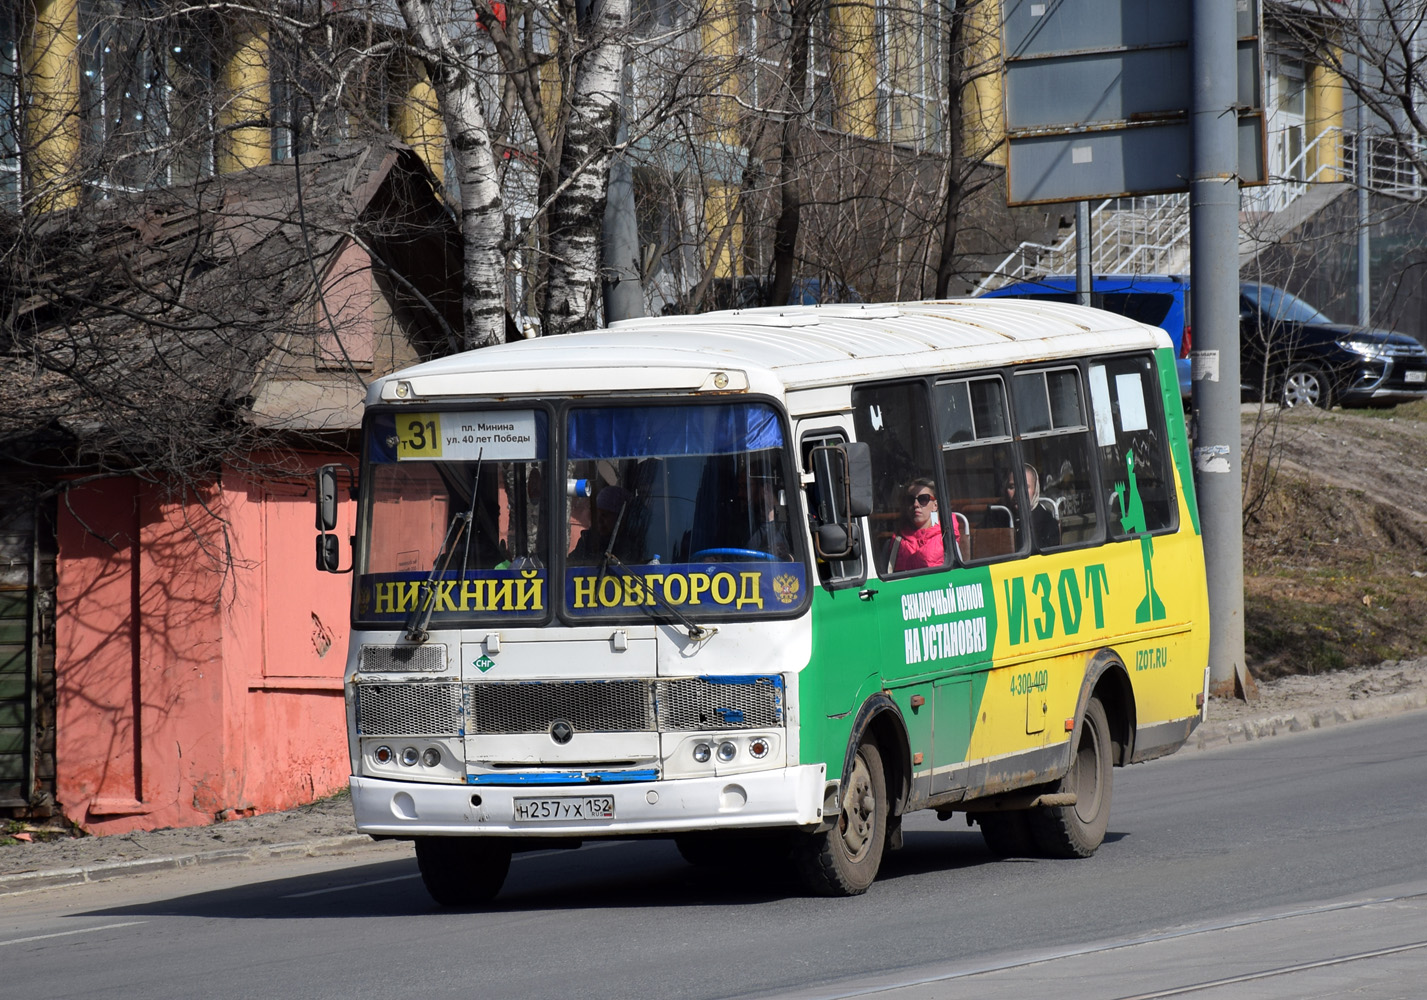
880,718
1108,679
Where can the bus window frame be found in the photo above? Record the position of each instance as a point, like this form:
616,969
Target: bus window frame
1084,429
1155,412
1001,374
951,555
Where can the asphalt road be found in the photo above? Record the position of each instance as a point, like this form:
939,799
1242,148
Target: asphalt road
1283,868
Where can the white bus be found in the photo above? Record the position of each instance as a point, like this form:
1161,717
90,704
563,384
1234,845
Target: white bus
771,579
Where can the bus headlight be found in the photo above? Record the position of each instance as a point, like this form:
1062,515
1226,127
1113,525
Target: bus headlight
382,755
727,750
431,757
410,756
702,753
758,748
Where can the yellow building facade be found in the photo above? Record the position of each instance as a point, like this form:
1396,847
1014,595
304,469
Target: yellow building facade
67,67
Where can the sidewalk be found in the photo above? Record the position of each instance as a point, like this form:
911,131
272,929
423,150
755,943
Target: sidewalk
1288,705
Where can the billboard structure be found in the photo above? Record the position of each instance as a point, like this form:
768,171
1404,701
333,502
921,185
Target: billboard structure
1098,96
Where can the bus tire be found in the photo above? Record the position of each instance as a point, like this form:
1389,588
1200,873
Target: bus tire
462,871
1076,831
844,860
1008,834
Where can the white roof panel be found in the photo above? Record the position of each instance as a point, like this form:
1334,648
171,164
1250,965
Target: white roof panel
776,350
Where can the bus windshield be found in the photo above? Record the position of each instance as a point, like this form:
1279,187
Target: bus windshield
682,506
664,511
455,517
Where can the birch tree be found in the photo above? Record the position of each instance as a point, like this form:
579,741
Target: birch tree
578,208
450,59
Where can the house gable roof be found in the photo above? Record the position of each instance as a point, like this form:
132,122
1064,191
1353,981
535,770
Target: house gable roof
145,319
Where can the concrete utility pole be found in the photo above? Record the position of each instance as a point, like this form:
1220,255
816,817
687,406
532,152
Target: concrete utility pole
1362,176
1214,257
623,293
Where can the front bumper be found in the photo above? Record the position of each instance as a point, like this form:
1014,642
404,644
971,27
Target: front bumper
1390,394
1385,381
791,796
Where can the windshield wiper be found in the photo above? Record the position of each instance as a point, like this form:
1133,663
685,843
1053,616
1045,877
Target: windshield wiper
698,633
420,616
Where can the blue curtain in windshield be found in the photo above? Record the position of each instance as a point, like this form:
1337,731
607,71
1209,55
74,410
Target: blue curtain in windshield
647,431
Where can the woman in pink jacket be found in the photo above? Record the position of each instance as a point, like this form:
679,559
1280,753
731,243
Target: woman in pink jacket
919,539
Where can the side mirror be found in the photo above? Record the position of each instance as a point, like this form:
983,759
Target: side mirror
328,548
328,554
833,542
327,498
859,478
844,479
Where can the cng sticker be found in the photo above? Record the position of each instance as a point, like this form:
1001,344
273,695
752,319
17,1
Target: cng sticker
484,664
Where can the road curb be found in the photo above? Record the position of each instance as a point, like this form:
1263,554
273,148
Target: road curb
11,884
1217,734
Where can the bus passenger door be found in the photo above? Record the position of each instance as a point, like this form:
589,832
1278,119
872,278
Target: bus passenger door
846,650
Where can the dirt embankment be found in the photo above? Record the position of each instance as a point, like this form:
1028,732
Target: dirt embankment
1335,538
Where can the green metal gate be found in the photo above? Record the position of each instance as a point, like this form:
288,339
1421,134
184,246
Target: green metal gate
17,667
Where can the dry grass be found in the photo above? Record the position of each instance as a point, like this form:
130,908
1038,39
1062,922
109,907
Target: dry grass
1335,576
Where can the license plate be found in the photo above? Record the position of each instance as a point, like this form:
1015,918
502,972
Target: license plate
564,808
1417,376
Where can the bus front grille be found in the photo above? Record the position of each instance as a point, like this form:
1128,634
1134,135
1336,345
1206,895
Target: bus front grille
696,703
430,658
625,706
622,706
409,709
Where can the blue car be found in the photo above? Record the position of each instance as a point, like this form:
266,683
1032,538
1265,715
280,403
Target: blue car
1160,300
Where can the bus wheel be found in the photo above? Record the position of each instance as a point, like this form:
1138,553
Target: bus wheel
1076,831
462,871
844,860
1007,834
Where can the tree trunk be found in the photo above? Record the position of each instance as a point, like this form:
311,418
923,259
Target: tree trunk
957,56
452,70
578,210
790,173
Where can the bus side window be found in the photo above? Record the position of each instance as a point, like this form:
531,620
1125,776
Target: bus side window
850,570
911,527
1055,446
979,456
1131,441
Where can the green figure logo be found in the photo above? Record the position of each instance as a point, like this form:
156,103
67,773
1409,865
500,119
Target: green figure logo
1151,609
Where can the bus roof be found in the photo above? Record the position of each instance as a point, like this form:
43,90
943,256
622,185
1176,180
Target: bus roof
775,350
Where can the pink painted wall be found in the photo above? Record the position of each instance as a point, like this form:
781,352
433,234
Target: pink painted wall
188,692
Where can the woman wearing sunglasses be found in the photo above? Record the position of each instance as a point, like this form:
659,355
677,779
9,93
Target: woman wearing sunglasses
918,542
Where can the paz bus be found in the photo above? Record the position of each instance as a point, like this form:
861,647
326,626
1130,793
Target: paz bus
770,580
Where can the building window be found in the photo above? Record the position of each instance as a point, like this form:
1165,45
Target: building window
909,77
1290,107
145,97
